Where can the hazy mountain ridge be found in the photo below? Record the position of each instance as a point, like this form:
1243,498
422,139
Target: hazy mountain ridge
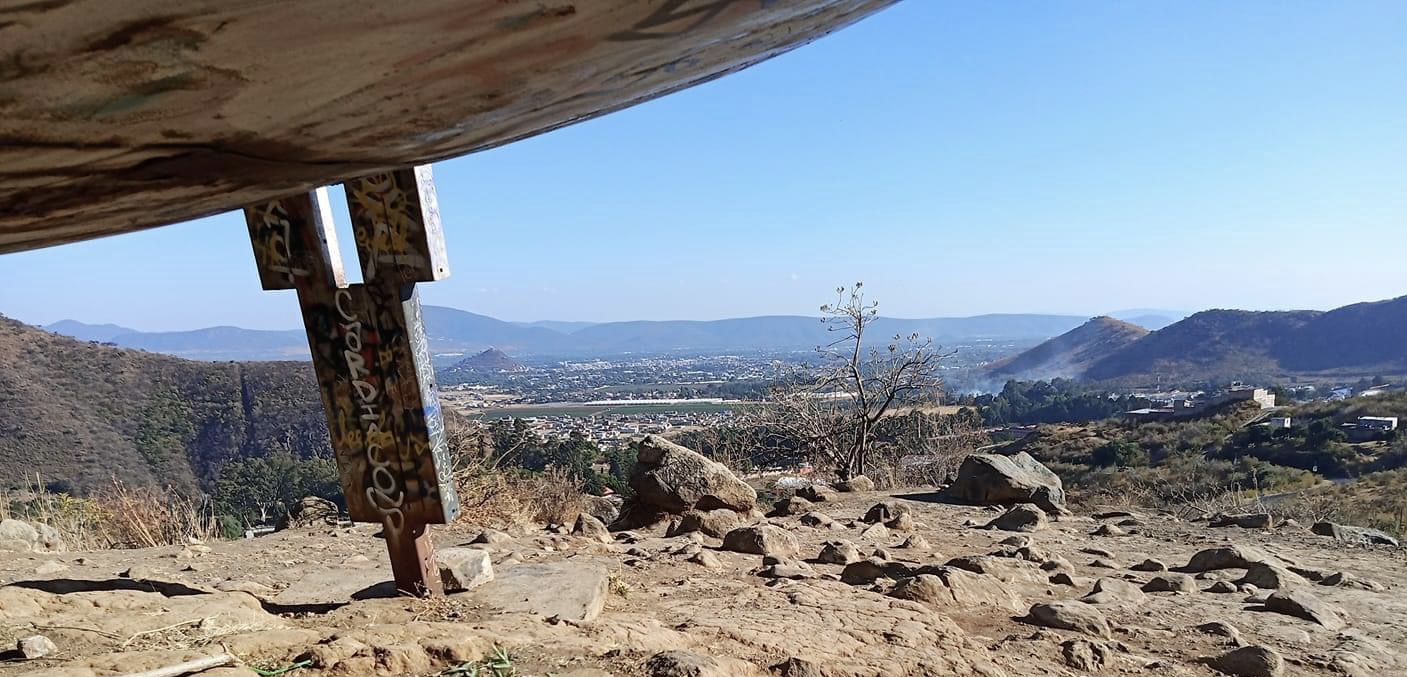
87,332
450,330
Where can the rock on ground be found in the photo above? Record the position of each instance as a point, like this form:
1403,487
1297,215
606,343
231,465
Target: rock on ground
948,587
819,520
817,493
1250,661
914,542
1267,576
1114,591
1303,604
35,646
587,526
1220,629
492,537
1067,615
1226,557
1341,532
1347,580
839,552
675,479
604,508
885,511
854,484
990,479
712,523
1023,517
568,590
1084,655
21,536
1171,583
792,505
690,664
313,511
1250,521
761,540
463,568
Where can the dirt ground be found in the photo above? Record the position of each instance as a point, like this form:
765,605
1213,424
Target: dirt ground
316,600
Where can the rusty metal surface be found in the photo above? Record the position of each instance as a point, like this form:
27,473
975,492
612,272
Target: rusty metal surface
118,116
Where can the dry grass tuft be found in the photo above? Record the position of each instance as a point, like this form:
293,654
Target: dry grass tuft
145,517
503,498
116,517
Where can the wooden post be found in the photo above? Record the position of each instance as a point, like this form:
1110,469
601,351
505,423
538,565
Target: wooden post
370,352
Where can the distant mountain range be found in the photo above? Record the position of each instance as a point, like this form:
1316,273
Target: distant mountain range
1363,339
457,332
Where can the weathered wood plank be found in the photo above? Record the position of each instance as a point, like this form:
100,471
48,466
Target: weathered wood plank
119,116
372,360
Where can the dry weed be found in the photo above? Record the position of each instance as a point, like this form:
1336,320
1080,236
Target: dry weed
116,517
504,498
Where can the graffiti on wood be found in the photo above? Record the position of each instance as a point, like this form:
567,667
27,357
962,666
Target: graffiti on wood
368,342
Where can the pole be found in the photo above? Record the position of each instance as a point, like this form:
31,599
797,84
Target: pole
370,352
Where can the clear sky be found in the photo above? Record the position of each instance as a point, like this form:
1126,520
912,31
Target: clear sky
958,157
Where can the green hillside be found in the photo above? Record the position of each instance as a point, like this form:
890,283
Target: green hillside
82,413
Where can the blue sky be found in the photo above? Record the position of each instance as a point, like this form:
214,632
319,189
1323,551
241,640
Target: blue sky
960,158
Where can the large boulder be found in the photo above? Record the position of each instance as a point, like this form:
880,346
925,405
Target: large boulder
675,479
990,479
1348,534
313,511
854,484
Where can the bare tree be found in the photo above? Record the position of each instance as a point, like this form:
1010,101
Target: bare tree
833,416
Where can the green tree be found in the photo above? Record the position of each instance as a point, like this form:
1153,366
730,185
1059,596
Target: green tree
1120,453
263,490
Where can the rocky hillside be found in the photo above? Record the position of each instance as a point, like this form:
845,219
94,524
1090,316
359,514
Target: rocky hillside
84,413
491,361
862,584
1070,354
1360,340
